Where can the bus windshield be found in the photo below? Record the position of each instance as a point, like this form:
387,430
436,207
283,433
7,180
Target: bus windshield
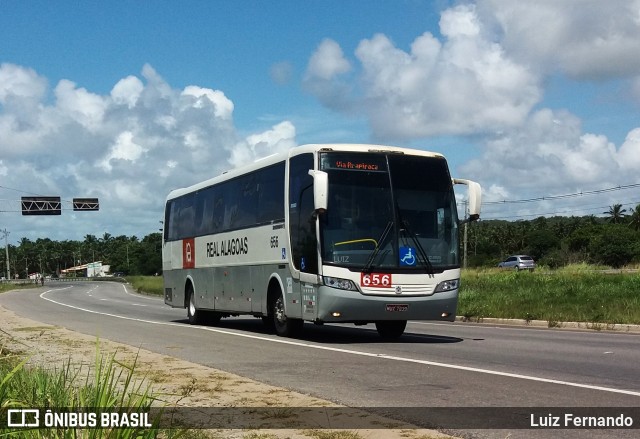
389,211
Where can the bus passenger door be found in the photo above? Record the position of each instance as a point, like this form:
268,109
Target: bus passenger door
303,248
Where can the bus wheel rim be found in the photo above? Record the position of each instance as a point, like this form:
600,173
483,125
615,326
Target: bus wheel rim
279,311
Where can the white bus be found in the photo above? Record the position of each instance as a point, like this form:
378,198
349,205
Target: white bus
321,233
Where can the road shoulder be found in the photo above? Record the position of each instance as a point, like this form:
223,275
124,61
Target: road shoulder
187,385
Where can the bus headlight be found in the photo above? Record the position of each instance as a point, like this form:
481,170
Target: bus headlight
447,285
341,284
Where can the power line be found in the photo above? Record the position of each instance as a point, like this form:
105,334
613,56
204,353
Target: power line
17,190
559,197
558,212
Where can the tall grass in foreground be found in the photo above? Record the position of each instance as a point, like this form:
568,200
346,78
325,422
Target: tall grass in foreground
560,296
109,387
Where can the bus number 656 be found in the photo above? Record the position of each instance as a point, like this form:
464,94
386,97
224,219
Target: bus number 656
375,280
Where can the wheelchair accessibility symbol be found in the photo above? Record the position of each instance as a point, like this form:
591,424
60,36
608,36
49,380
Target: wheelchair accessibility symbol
407,256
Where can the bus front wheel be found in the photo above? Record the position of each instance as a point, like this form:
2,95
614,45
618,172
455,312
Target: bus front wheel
284,326
391,328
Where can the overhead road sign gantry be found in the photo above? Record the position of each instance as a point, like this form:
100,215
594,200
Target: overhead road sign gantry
41,205
86,204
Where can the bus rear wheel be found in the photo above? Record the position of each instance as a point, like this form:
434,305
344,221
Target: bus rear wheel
391,328
284,326
193,314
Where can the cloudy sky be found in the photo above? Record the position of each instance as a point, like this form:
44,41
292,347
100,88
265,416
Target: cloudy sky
125,101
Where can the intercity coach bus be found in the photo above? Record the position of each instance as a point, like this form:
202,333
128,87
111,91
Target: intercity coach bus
321,233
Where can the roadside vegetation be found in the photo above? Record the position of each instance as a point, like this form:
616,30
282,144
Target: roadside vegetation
110,386
573,294
147,284
556,242
6,286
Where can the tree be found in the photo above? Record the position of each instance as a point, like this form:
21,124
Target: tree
541,242
614,246
616,213
635,218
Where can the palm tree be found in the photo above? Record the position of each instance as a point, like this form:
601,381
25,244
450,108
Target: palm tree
616,213
635,218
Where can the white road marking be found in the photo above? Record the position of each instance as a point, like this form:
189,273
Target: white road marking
138,296
359,353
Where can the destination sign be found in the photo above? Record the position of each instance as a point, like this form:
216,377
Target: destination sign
353,162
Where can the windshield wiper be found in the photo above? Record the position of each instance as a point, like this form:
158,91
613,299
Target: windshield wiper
422,255
372,256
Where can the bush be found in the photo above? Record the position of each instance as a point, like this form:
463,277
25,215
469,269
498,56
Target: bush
615,246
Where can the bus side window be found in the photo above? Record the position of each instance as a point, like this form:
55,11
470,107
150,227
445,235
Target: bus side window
271,194
186,224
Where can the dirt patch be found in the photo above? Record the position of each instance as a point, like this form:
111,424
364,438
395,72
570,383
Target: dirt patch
198,387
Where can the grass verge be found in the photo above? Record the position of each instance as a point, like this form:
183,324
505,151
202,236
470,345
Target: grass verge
559,296
147,284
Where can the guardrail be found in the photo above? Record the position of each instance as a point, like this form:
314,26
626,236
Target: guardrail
60,279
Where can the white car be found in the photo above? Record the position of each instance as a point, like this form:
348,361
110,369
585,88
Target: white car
518,262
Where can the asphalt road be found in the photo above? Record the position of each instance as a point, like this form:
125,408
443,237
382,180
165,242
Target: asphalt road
508,371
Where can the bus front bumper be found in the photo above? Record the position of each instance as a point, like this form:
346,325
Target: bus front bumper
341,306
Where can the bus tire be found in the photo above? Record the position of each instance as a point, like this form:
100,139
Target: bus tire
193,314
391,328
284,326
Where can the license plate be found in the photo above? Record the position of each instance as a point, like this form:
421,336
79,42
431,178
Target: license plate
395,307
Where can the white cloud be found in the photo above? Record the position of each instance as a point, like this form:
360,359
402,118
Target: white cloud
20,84
629,154
129,147
582,38
466,84
550,155
127,91
278,139
124,148
223,107
85,108
327,61
460,21
325,77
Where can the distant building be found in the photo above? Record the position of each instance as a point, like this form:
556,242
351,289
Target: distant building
91,269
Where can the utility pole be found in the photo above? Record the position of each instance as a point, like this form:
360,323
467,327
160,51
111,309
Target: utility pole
6,250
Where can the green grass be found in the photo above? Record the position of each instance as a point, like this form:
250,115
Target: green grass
109,386
561,296
147,284
8,286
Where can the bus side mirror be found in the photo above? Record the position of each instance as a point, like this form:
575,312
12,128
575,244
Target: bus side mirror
320,190
474,197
